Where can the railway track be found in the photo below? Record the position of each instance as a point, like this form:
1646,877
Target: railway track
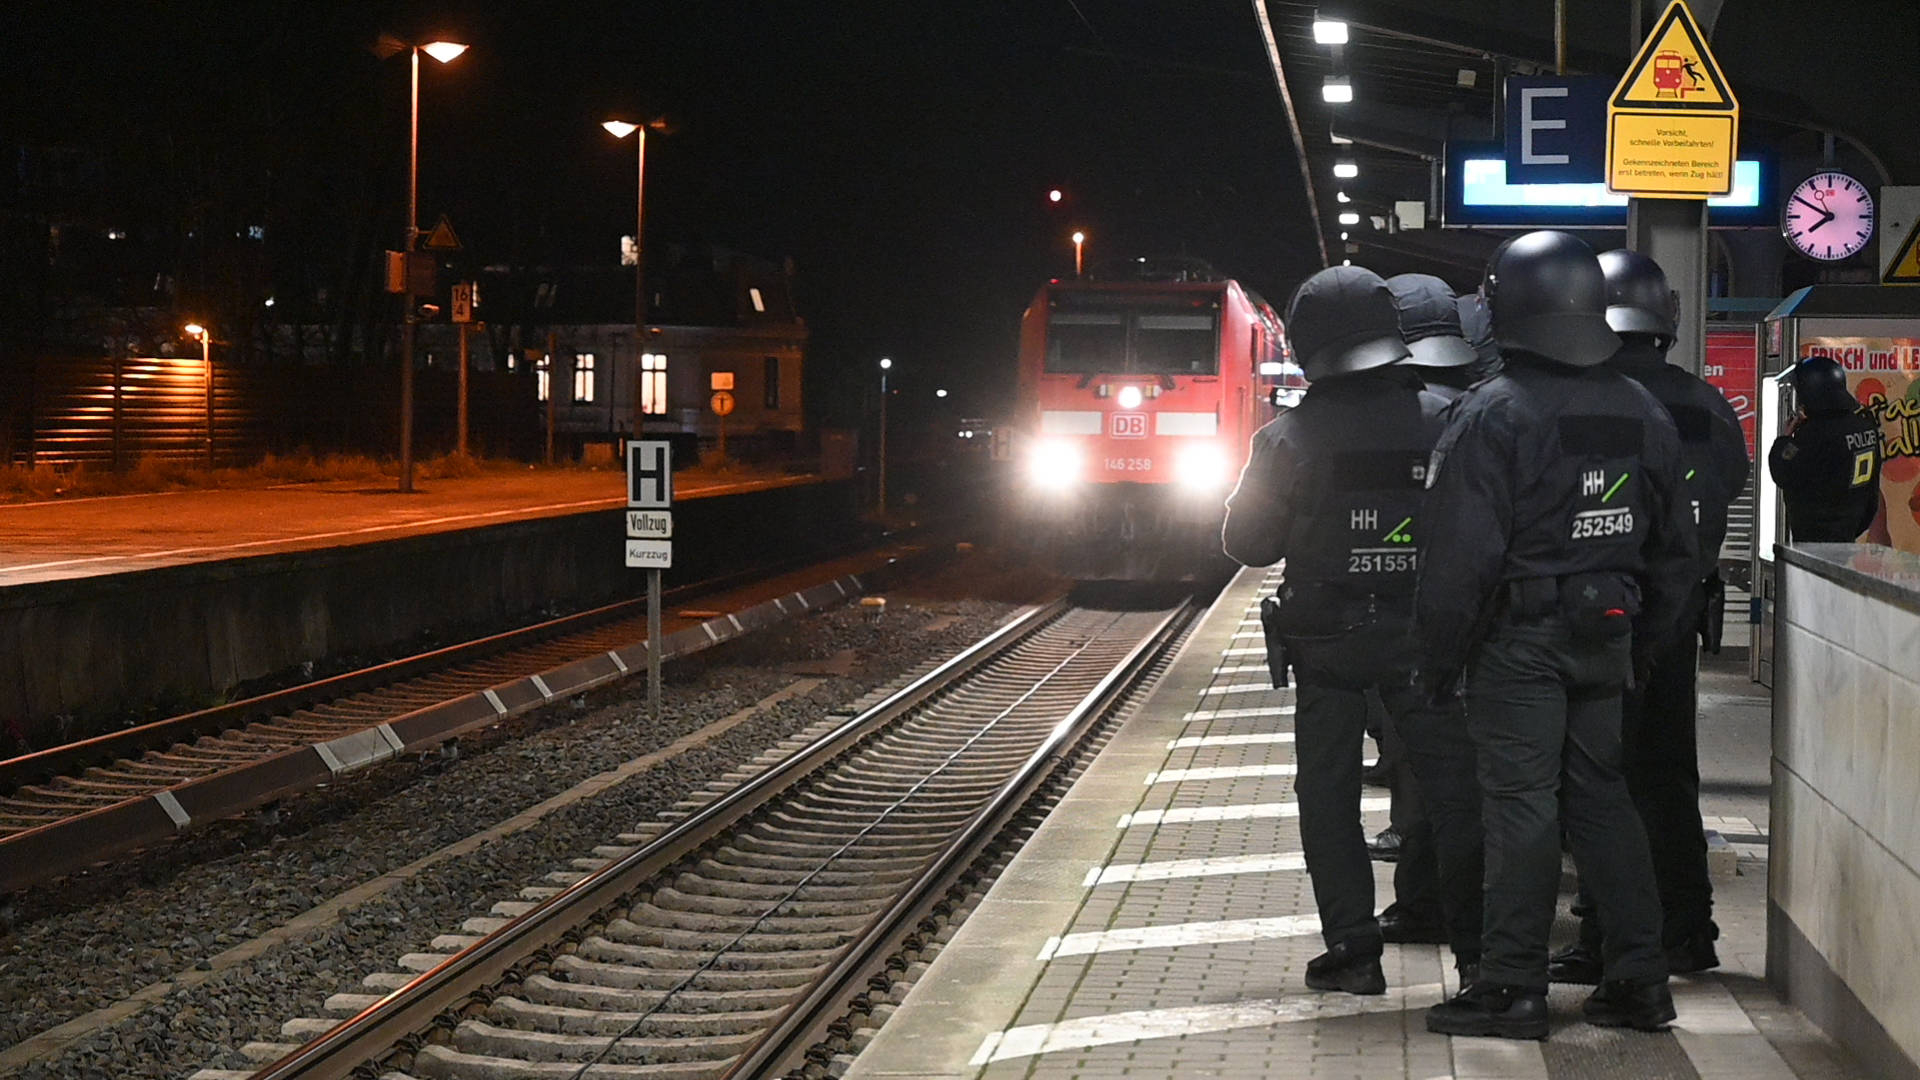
65,808
733,941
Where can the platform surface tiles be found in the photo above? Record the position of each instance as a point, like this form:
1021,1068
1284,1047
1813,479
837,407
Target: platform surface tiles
1159,923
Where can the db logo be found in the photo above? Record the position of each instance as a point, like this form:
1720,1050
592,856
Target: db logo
1129,425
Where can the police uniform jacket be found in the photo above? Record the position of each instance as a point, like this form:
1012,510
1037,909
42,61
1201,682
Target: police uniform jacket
1334,485
1829,473
1546,471
1713,447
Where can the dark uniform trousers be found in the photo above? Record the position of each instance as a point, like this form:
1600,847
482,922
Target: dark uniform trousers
1333,676
1659,722
1541,705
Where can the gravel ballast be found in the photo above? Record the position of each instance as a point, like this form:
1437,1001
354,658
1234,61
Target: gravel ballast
164,913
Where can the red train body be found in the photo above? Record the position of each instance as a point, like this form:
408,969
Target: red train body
1137,399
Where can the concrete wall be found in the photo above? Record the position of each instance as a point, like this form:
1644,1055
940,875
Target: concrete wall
1844,870
76,654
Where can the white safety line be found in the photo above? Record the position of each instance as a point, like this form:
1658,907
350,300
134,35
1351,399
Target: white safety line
1111,1029
1221,772
1241,635
1189,815
1245,652
1720,1039
1240,688
1241,669
1191,742
1171,869
1235,714
1498,1059
1179,934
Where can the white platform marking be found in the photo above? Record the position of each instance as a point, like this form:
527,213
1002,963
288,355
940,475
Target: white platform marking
1234,812
1240,688
1190,742
1236,714
1243,634
1244,652
1221,772
1498,1059
1189,868
1029,1040
1719,1038
1241,669
1173,937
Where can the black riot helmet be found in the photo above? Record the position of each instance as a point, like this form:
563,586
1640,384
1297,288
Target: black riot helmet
1548,298
1820,386
1430,321
1639,300
1341,321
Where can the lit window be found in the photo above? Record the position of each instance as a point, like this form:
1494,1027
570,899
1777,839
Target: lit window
770,381
542,378
583,377
653,384
758,304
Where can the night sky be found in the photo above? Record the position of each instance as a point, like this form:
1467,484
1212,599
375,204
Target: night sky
900,152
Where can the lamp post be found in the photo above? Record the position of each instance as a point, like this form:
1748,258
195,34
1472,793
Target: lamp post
444,52
620,129
1079,241
205,335
886,364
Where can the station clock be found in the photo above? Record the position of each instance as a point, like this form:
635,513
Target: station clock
1829,217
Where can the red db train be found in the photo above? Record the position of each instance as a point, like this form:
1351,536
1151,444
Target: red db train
1138,393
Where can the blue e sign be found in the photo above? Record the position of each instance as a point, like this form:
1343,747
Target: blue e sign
1557,128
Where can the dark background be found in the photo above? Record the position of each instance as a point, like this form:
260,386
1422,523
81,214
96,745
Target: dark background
899,152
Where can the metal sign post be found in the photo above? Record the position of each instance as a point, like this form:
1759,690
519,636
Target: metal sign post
650,539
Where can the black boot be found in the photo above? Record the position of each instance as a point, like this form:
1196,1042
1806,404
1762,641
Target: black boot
1693,954
1399,928
1351,966
1385,846
1575,964
1642,1004
1492,1009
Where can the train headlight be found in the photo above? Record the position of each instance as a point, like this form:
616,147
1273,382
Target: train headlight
1054,463
1129,397
1202,467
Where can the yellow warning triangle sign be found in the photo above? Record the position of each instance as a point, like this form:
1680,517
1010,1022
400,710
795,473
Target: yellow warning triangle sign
1674,70
442,237
1905,268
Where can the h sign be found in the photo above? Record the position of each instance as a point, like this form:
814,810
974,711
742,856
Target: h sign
650,475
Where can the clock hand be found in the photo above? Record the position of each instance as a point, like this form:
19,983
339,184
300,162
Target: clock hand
1809,205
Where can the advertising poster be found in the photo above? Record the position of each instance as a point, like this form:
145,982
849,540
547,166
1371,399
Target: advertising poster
1885,376
1731,361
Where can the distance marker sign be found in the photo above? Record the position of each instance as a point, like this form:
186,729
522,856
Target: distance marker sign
1673,123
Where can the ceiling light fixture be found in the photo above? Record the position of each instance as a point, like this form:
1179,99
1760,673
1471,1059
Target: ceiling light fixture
1337,90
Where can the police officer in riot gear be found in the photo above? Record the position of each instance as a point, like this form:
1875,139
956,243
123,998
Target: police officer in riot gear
1828,462
1477,327
1558,546
1334,487
1659,715
1436,803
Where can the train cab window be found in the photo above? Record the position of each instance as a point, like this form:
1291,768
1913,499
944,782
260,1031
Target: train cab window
1086,342
1174,345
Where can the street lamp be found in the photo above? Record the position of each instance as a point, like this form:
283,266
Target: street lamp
620,129
1079,241
886,365
444,52
196,330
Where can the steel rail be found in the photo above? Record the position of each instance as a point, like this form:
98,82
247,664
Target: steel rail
805,1022
396,1019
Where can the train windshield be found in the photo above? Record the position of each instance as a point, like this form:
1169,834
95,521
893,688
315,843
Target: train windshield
1133,340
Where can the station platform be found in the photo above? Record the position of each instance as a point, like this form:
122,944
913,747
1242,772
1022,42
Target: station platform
1159,922
62,539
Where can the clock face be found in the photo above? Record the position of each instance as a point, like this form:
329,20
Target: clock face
1828,217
